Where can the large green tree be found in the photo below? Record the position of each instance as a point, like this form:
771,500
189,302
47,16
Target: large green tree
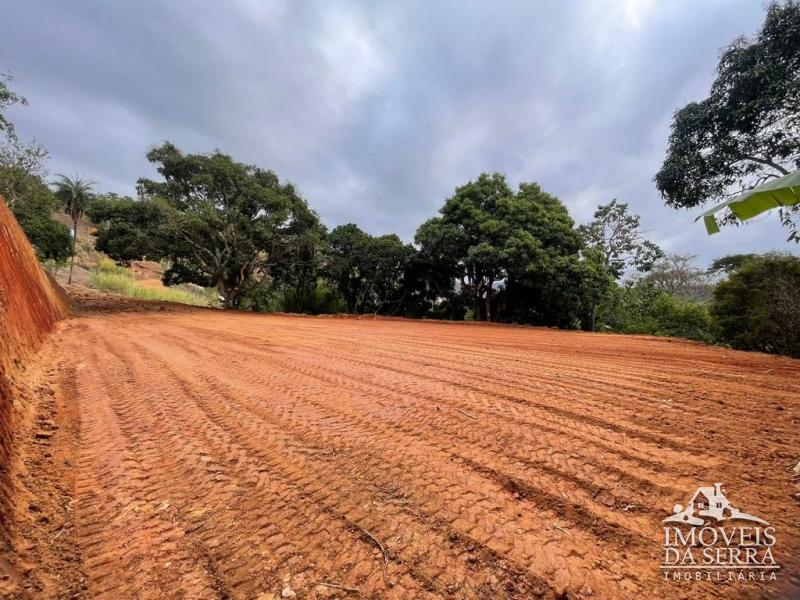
129,229
758,306
370,271
507,249
748,129
297,275
218,222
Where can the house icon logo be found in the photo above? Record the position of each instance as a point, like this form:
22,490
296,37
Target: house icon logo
709,502
722,543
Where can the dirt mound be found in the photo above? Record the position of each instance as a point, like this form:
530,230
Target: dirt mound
30,305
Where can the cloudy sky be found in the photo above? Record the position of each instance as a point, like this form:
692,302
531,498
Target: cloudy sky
376,111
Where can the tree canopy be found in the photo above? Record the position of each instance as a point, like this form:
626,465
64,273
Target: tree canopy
218,222
618,236
369,271
758,307
748,129
507,250
34,209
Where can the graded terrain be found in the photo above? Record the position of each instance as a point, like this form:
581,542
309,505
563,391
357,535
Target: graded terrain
207,454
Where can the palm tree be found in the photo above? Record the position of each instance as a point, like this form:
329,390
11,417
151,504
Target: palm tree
74,195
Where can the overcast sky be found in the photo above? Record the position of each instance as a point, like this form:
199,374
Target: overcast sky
376,111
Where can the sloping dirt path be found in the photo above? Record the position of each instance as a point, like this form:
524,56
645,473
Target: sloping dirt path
238,456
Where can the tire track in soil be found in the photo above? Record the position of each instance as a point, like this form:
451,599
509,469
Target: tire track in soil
425,419
607,534
229,417
496,423
604,439
229,455
531,583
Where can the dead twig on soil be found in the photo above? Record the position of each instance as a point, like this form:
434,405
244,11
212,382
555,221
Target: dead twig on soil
195,528
336,586
560,528
466,414
383,550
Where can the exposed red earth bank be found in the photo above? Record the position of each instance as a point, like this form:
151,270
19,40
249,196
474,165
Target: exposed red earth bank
153,451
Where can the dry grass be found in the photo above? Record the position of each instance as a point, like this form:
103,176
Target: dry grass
109,277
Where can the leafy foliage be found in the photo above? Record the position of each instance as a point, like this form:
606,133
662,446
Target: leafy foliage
19,162
758,307
748,129
34,209
508,252
617,234
638,307
218,222
8,98
369,271
128,229
728,264
679,276
561,291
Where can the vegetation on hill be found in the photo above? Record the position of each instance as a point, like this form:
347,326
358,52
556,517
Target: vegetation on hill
110,277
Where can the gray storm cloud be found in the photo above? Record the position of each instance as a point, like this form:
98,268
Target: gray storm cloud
377,111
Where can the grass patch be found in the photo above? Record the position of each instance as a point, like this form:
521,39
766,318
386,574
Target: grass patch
109,277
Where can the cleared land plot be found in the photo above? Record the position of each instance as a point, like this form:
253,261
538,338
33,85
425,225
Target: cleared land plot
230,455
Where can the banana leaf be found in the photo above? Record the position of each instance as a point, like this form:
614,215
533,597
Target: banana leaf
784,191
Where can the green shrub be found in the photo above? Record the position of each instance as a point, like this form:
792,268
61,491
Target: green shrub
264,297
107,266
758,306
675,317
640,308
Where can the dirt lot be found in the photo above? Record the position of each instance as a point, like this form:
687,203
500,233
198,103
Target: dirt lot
200,454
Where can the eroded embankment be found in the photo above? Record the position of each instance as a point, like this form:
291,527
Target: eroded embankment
30,305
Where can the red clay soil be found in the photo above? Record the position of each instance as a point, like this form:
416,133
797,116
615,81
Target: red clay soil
220,455
30,305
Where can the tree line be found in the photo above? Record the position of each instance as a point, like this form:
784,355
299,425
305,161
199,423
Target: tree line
492,253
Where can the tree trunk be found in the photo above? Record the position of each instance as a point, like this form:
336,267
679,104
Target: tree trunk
228,294
74,239
230,299
489,302
477,298
594,316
